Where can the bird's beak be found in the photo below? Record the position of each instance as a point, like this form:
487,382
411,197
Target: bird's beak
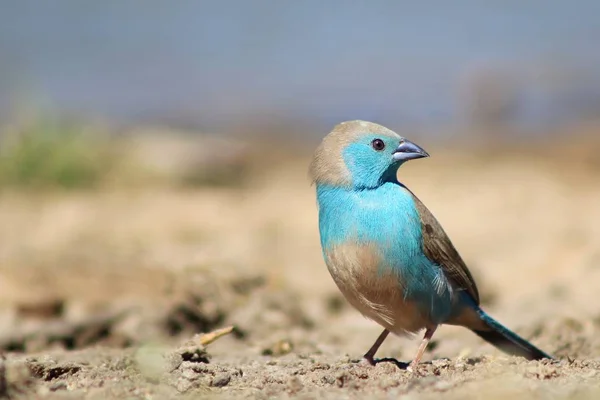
408,151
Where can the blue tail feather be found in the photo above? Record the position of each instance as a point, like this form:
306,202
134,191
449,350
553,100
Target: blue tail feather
509,342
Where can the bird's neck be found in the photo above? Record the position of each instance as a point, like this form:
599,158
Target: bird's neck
326,188
366,179
332,197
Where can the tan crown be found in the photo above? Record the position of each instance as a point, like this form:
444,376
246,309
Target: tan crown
327,165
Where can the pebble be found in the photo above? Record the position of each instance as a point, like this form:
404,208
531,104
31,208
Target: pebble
221,380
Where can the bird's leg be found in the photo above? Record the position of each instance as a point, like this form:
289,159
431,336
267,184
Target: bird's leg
369,356
426,338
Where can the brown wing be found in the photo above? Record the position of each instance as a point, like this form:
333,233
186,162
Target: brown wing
439,249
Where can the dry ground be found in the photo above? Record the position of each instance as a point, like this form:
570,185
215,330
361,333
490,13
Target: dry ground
98,290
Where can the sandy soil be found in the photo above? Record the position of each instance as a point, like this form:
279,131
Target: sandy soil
100,292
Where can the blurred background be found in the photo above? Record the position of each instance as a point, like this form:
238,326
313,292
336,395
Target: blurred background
153,157
219,65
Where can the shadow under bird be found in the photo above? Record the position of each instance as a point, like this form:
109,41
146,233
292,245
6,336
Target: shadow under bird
386,252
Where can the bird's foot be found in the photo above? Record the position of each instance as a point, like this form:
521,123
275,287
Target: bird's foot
368,359
412,367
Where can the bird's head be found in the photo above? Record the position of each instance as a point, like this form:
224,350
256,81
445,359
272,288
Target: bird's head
361,155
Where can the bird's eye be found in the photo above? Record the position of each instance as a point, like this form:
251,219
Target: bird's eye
378,144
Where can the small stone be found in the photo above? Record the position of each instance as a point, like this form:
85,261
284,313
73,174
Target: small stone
173,361
280,348
189,374
221,380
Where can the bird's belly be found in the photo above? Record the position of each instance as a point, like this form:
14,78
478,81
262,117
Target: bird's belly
377,294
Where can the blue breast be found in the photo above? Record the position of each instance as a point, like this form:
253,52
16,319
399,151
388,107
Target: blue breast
387,217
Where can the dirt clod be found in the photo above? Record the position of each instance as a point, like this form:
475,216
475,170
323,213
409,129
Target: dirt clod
50,372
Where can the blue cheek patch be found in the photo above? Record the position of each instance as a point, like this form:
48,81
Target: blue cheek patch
366,165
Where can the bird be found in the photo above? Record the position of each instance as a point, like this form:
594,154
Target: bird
386,252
